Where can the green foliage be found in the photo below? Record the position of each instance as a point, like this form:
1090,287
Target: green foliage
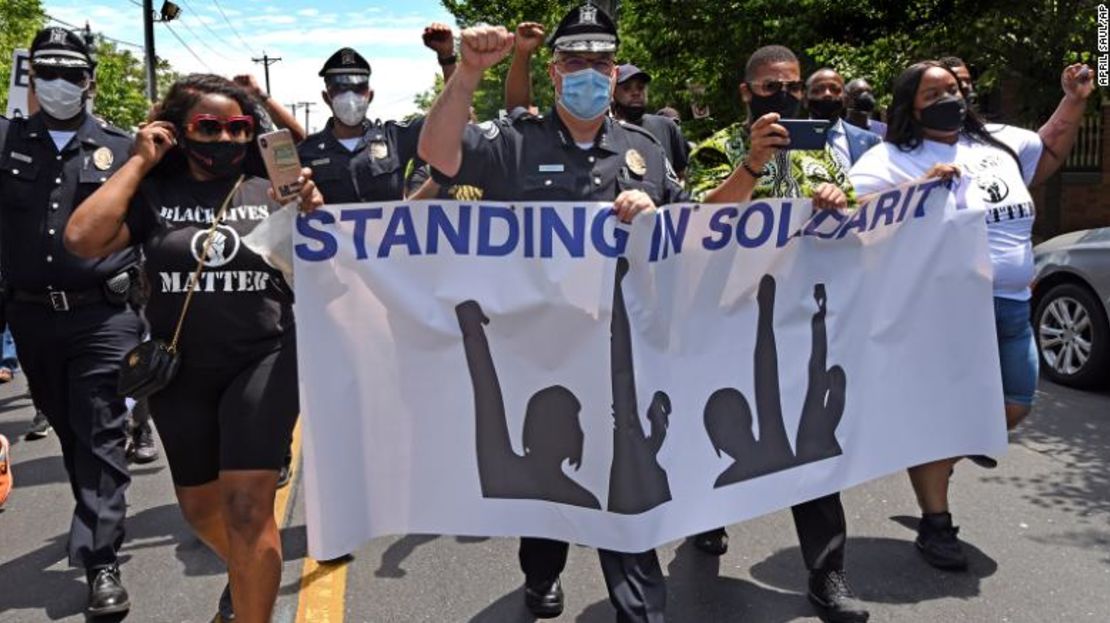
1022,44
19,21
121,85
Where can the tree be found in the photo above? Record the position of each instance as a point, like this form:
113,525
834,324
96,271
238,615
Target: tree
121,85
19,21
1020,45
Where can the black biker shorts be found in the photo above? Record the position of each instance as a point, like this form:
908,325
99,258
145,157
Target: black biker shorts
232,417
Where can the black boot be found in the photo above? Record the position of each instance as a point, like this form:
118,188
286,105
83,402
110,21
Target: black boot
106,592
544,600
714,542
938,543
834,599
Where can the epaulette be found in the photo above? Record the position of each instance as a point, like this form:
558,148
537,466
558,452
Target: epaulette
111,129
520,113
635,128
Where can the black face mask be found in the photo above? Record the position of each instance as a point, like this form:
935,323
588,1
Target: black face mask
785,104
219,158
632,114
830,110
972,97
865,102
946,114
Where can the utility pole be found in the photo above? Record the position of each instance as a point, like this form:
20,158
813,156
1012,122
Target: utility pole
266,62
293,109
169,12
148,49
307,109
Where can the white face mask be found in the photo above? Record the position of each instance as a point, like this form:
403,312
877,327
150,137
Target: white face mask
350,107
59,98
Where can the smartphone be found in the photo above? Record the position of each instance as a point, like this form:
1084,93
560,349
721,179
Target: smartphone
283,165
806,134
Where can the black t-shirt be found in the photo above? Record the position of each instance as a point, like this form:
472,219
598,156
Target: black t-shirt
242,306
668,133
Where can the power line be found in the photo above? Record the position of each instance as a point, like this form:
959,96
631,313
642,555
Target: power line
186,46
101,35
191,32
215,34
232,26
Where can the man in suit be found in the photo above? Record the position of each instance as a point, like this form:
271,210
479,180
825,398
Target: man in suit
825,100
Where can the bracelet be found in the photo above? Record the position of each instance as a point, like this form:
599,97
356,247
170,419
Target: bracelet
448,60
752,172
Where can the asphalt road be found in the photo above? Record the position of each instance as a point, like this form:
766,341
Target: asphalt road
1037,529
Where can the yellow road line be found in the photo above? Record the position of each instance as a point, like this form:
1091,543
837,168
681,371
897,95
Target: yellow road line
323,592
322,596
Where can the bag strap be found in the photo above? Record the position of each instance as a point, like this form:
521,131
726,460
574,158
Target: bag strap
200,264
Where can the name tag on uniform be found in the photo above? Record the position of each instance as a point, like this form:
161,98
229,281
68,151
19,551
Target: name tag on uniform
319,162
552,168
21,157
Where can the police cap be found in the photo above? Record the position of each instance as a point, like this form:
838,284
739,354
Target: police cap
346,62
586,28
58,47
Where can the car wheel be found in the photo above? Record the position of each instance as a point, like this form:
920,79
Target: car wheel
1072,336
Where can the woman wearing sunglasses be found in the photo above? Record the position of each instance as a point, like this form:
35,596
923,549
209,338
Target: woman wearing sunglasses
227,415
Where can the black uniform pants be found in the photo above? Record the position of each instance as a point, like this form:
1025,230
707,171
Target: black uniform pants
822,532
637,589
72,362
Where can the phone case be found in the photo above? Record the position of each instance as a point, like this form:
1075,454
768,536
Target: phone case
283,165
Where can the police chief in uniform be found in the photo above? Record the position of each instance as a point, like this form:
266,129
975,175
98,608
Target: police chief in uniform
70,316
576,152
354,159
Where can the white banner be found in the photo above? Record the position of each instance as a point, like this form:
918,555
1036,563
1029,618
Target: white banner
458,374
19,86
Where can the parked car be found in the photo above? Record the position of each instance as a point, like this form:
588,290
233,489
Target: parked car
1071,303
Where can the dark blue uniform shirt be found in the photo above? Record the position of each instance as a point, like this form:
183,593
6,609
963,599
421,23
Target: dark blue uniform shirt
40,188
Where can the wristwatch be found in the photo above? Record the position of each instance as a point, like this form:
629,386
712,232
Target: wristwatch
446,61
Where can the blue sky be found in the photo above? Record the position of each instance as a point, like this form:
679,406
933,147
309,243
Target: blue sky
301,32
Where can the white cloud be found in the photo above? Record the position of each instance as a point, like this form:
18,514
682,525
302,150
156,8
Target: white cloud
390,41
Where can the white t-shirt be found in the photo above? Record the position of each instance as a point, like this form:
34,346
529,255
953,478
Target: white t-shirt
349,143
989,180
62,138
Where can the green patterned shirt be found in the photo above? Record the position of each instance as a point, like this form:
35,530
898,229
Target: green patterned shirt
791,173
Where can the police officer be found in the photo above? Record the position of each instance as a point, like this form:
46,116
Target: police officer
576,152
70,316
356,160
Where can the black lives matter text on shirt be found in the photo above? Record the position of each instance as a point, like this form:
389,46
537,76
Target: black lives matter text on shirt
241,308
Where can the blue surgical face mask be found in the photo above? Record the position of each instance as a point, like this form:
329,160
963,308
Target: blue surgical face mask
585,94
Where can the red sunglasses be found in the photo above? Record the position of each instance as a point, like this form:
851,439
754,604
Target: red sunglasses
212,126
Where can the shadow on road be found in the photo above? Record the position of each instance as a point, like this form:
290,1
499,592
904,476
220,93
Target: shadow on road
888,571
403,547
29,581
1071,427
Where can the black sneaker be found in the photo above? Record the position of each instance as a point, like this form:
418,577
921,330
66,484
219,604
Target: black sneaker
142,448
938,543
285,474
714,542
834,599
227,613
106,592
39,427
544,601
